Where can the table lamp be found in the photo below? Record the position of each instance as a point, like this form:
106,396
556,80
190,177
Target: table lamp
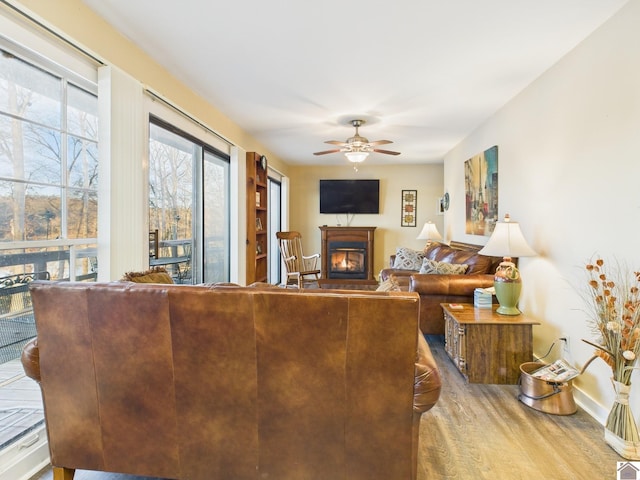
429,233
508,242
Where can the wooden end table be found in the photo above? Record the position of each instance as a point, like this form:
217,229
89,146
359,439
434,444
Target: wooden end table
487,347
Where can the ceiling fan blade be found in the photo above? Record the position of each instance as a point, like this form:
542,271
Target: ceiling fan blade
386,152
380,142
336,142
327,151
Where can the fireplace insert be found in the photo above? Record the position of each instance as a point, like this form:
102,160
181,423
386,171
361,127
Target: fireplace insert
347,260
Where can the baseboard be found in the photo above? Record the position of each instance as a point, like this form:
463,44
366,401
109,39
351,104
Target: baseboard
593,408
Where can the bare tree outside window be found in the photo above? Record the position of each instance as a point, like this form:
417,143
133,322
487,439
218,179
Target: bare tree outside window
48,165
182,169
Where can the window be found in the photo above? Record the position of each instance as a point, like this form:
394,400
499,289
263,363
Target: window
48,170
188,205
48,206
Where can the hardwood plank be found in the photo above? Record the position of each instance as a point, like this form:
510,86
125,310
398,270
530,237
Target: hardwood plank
483,431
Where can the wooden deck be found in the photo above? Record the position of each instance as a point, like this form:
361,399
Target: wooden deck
20,403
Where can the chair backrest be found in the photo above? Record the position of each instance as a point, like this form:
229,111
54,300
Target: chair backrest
290,244
154,244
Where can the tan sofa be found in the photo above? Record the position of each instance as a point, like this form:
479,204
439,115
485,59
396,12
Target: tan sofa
196,382
435,289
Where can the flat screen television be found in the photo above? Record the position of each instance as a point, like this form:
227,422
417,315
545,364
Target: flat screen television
349,196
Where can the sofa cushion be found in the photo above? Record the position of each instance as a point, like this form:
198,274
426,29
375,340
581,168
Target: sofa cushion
408,259
433,266
444,253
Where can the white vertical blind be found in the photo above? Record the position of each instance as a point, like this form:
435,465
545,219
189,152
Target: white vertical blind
122,197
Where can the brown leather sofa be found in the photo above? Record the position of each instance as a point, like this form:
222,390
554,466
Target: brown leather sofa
204,382
435,289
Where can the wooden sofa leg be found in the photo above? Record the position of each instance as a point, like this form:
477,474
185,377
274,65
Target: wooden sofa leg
61,473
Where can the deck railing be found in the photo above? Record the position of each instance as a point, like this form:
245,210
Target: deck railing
17,325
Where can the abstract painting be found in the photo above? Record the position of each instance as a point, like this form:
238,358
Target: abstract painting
481,192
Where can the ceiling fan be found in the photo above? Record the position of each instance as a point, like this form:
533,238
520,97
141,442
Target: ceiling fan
357,148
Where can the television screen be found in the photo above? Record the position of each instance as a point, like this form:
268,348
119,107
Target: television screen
349,196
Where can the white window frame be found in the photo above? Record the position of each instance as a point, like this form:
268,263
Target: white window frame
23,459
160,109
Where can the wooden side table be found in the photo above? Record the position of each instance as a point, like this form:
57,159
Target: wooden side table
487,347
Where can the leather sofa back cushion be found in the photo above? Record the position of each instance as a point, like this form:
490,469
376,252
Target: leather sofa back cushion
444,253
433,266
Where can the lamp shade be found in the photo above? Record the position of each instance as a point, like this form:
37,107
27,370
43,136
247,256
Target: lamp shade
429,232
357,157
507,241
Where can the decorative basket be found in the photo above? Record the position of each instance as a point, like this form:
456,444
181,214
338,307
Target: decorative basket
545,396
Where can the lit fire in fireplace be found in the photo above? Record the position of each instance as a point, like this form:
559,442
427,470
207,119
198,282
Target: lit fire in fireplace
348,260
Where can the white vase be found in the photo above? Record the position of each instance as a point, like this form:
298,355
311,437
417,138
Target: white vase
625,448
621,431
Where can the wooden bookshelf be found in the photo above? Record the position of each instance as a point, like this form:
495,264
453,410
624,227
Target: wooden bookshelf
257,217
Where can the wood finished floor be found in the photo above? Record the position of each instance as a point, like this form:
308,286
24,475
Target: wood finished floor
484,432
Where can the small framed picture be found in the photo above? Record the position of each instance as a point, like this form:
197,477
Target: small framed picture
258,223
409,208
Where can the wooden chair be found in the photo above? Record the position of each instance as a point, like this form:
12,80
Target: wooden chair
300,268
154,244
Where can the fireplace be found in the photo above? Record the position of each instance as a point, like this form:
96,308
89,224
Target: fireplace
347,260
347,253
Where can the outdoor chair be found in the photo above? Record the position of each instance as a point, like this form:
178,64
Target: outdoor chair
17,325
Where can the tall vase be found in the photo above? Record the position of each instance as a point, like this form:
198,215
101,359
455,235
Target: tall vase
621,431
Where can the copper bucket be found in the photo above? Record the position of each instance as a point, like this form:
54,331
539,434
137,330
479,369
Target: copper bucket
545,396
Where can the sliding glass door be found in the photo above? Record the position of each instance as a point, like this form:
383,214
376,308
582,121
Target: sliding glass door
215,225
188,205
275,209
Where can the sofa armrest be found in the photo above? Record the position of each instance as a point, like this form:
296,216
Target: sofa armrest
427,386
446,284
31,360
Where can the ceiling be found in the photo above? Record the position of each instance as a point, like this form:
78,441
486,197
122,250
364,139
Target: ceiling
423,73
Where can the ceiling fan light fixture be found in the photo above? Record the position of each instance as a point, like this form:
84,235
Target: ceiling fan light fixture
356,157
357,148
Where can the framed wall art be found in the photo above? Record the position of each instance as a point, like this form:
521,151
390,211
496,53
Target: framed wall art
481,192
409,208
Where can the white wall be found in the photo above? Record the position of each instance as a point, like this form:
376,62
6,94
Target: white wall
569,168
426,179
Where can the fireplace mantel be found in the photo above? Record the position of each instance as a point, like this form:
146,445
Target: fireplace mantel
347,234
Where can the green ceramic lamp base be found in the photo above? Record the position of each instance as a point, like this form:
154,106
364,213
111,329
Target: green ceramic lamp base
508,294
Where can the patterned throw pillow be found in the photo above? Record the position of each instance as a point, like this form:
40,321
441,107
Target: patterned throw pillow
432,266
153,275
389,285
408,259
